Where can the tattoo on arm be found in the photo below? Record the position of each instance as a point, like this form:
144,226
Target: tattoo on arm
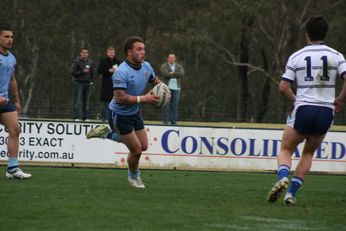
121,97
126,99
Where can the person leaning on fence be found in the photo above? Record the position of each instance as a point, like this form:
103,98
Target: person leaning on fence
314,68
82,71
106,68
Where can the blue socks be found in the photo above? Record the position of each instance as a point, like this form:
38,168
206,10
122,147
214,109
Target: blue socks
283,171
12,164
134,175
296,183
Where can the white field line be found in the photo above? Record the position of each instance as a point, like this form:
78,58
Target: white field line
282,224
271,220
229,226
288,226
268,224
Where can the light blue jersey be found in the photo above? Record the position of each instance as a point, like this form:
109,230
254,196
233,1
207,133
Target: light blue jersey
134,80
7,64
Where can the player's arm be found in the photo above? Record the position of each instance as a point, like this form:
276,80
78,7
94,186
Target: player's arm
121,97
156,81
286,90
3,101
339,100
14,92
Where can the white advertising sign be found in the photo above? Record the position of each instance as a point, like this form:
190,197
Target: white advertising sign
239,149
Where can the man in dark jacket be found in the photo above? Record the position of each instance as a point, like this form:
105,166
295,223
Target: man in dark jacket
82,72
107,67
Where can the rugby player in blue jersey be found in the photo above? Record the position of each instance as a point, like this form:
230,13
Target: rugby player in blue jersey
314,68
9,103
129,84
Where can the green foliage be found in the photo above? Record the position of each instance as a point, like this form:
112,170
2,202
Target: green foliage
101,199
205,35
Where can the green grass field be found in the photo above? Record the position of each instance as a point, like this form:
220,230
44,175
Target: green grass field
101,199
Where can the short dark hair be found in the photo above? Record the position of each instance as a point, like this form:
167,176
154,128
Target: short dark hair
317,28
128,44
4,27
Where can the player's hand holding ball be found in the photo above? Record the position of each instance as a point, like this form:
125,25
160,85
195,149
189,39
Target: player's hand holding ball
163,93
148,98
3,101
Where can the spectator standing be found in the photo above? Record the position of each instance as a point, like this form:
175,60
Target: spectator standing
82,72
106,68
172,73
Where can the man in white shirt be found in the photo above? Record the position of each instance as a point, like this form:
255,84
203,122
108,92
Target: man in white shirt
314,69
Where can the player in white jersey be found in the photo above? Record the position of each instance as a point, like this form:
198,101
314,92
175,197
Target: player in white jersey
314,69
9,103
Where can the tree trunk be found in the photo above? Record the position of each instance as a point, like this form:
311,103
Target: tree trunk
30,82
242,90
265,92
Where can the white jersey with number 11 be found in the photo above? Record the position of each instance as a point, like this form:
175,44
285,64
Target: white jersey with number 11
315,69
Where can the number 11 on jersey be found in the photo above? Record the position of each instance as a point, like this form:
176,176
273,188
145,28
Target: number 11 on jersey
324,76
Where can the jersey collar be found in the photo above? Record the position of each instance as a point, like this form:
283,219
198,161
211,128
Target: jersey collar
314,44
4,54
136,67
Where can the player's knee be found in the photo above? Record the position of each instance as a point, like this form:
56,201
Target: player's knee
139,150
14,131
144,147
136,150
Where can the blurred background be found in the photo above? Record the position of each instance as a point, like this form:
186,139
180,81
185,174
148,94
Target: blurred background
233,52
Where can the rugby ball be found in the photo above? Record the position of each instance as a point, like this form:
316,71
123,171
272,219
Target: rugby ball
163,92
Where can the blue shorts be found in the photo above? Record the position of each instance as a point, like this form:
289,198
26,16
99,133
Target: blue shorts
125,124
311,120
9,107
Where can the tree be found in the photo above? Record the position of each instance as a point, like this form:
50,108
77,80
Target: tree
233,52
